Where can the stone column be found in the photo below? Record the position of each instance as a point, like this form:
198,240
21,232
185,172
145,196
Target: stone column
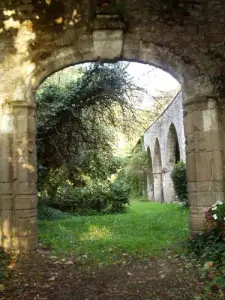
204,158
18,162
168,188
150,187
6,176
158,188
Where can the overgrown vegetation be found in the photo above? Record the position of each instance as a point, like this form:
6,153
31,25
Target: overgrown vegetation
80,114
5,259
179,179
209,249
133,172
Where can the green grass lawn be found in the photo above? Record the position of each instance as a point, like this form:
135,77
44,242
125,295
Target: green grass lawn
146,230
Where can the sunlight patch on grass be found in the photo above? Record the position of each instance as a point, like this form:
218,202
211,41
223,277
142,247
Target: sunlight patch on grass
146,230
96,233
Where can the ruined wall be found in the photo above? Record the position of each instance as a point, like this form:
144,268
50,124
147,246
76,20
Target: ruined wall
159,130
38,37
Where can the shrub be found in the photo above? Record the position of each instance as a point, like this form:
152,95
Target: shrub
208,245
119,196
216,212
81,200
179,179
97,198
49,213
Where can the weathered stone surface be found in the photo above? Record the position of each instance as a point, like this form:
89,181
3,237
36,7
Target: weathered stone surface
38,38
167,130
108,44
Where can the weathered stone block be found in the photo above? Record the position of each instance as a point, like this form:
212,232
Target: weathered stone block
204,161
25,188
217,167
25,243
191,167
197,121
7,188
108,44
26,227
24,202
6,202
26,213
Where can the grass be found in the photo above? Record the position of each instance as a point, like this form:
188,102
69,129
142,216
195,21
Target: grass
146,230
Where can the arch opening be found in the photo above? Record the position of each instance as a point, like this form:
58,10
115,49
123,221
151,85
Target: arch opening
172,149
172,157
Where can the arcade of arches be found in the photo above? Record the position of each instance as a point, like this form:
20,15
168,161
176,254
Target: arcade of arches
165,144
37,38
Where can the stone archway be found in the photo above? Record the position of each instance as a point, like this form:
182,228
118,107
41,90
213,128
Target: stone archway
157,173
172,157
40,38
150,179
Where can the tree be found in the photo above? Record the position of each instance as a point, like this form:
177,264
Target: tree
77,113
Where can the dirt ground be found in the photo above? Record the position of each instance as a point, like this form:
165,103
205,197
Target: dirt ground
46,277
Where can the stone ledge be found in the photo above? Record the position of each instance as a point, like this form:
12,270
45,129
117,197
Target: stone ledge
107,22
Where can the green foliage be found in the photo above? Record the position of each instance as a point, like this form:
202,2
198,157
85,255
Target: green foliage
119,196
79,115
5,259
78,111
49,213
218,211
145,230
179,179
91,199
209,245
134,170
81,200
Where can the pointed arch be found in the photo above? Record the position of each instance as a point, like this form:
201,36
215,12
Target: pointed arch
157,173
172,157
172,149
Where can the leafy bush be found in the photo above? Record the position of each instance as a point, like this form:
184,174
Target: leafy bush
96,198
119,196
179,179
81,200
49,213
209,245
5,259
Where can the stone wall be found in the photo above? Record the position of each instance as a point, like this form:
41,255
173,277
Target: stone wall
160,138
38,37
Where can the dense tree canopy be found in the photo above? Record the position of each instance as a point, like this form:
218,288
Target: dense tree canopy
77,113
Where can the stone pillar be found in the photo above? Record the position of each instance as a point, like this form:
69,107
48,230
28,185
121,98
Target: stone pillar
168,189
204,158
158,188
150,187
18,165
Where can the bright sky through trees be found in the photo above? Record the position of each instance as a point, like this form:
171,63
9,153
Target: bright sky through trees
153,79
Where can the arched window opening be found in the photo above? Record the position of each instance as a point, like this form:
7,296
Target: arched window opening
172,157
173,150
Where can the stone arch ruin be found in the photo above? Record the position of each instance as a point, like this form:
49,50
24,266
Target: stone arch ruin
168,130
37,38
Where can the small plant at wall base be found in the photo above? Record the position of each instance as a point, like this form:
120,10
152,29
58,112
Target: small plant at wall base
179,178
215,215
209,248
